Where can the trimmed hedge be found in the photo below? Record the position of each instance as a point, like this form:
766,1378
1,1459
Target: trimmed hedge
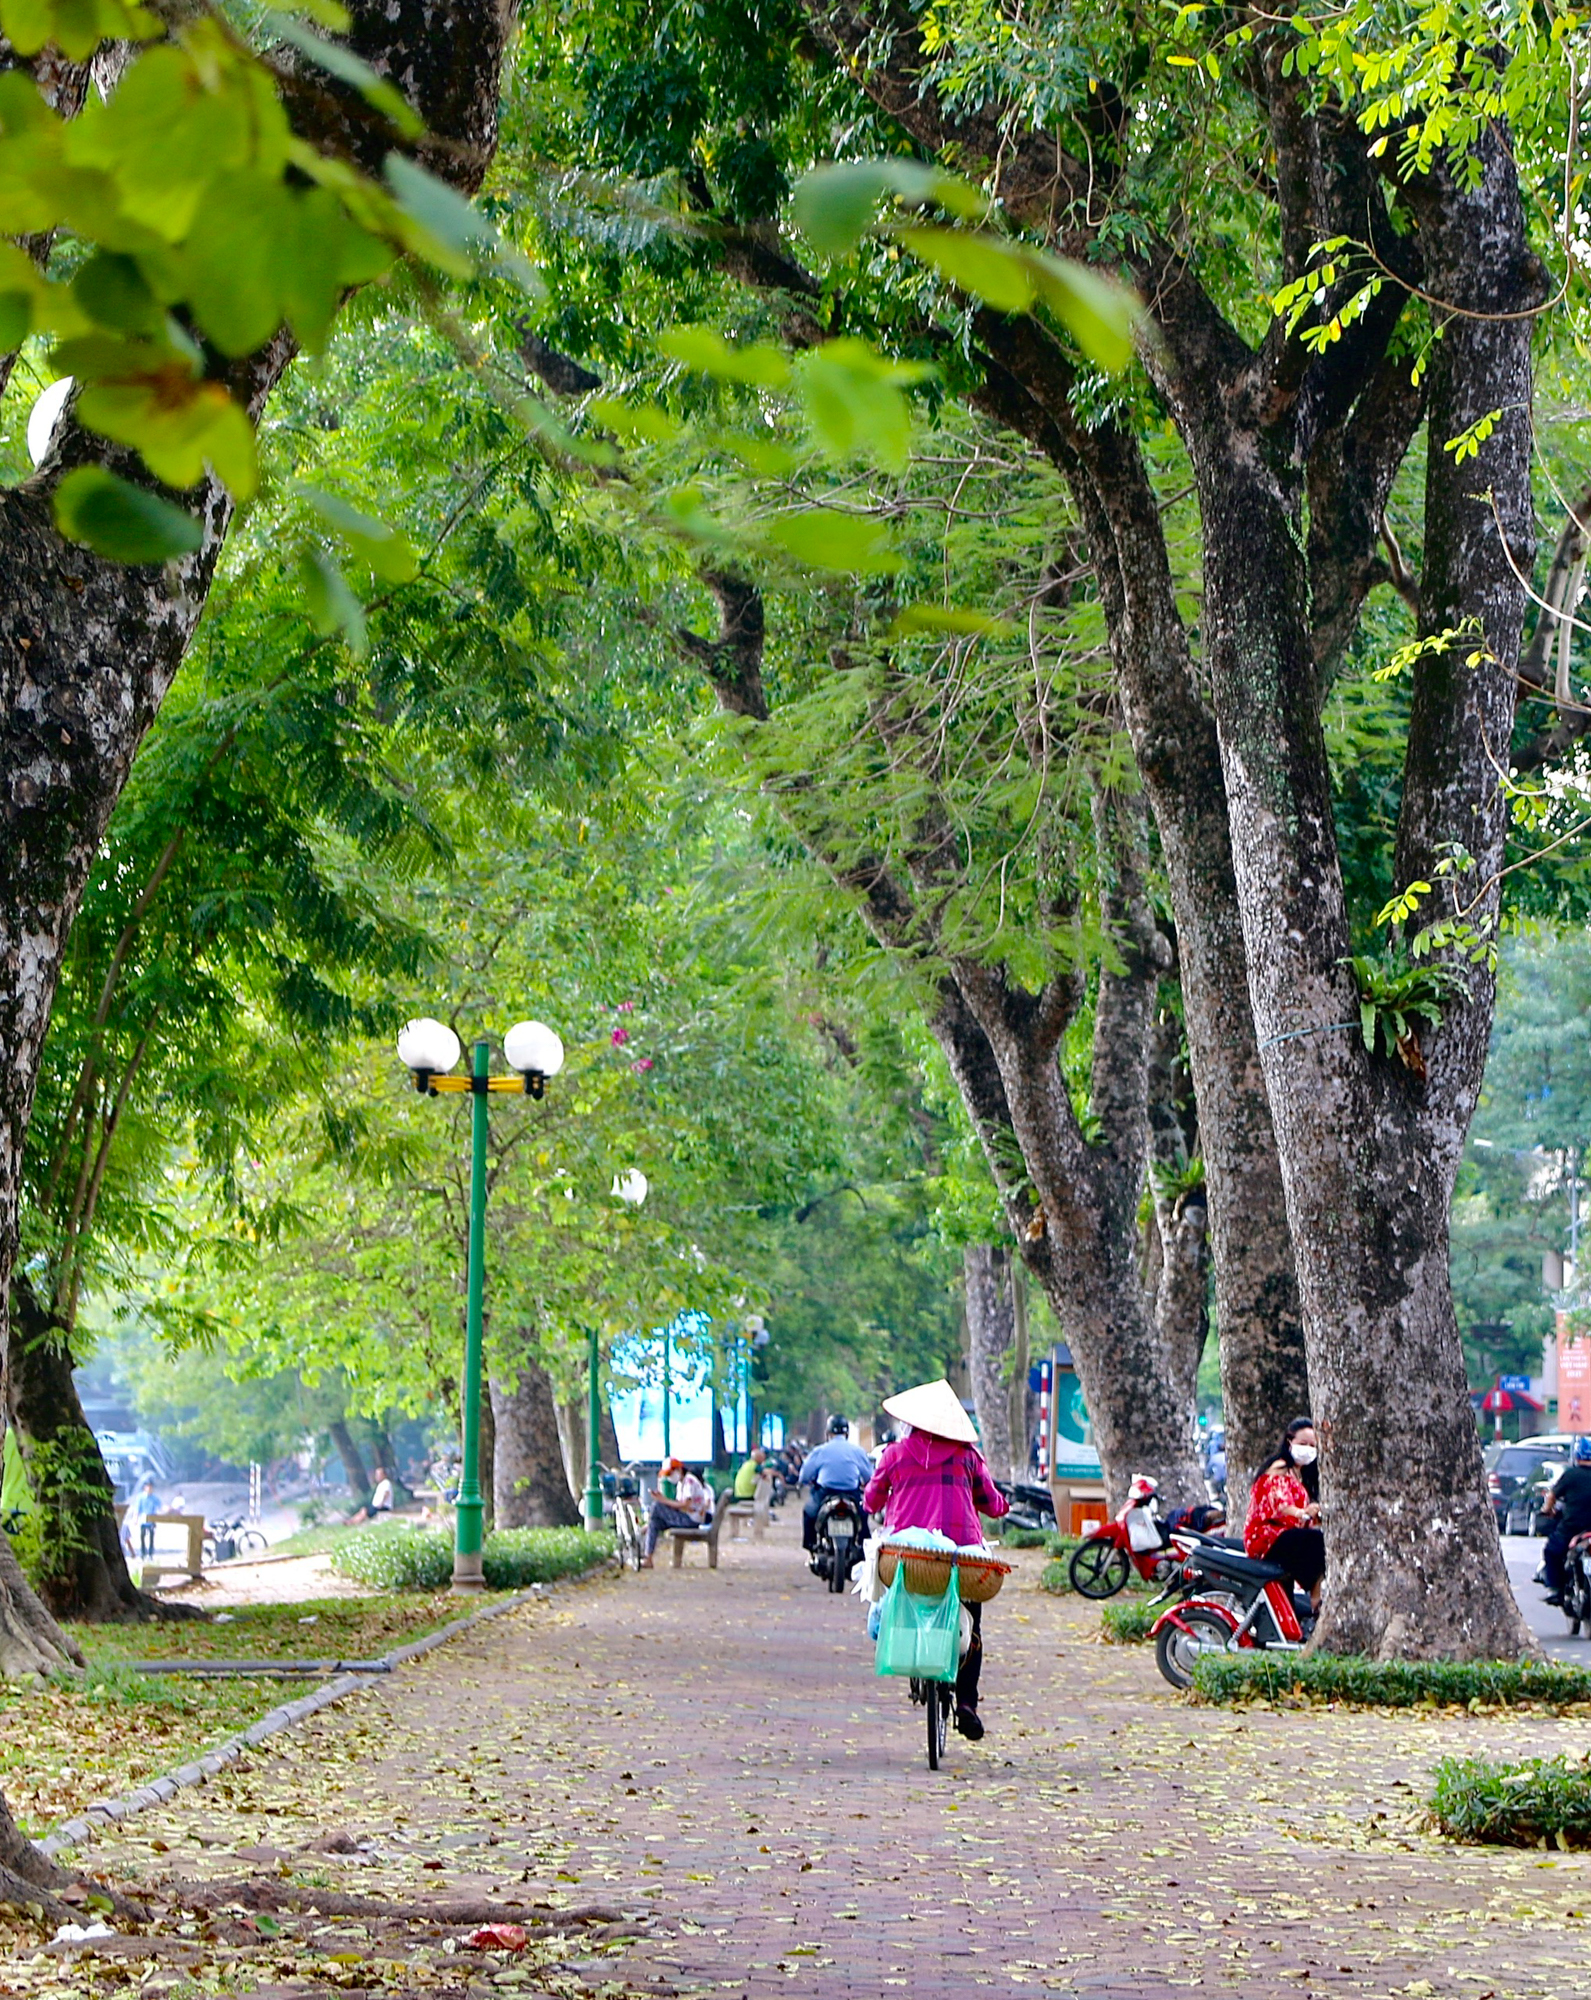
1128,1622
1224,1678
1544,1801
1025,1538
512,1559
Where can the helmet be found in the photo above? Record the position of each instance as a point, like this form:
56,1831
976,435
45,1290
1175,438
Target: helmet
1582,1451
1143,1488
839,1428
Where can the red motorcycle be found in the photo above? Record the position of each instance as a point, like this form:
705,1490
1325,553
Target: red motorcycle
1228,1602
1134,1540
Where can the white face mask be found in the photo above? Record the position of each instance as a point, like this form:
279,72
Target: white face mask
1304,1454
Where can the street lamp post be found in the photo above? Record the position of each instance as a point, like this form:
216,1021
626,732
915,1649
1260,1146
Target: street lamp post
430,1049
629,1187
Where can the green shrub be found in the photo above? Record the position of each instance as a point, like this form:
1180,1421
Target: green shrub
1543,1801
1053,1577
1127,1622
399,1558
1061,1546
1223,1678
1025,1538
396,1558
515,1558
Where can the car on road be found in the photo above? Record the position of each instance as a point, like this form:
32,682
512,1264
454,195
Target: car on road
1517,1478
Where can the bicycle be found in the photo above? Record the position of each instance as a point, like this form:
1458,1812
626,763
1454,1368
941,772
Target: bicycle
622,1490
224,1540
939,1698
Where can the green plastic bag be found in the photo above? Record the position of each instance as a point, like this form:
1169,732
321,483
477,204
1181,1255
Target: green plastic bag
920,1635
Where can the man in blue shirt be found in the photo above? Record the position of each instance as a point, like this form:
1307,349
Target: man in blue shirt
835,1467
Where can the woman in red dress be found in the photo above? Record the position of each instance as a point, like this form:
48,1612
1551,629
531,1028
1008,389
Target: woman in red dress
1283,1524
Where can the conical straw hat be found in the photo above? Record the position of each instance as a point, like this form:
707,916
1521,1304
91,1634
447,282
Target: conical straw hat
933,1407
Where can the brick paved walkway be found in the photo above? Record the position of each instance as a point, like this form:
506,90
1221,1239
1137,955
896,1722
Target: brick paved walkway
712,1747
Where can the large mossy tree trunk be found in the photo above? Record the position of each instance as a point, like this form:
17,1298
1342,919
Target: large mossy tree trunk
987,1291
355,1471
1371,1139
81,1567
532,1489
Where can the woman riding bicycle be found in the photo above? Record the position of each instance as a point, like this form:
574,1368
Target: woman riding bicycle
935,1477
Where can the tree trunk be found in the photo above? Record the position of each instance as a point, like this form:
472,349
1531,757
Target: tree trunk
359,1481
89,648
986,1282
531,1487
83,1570
1264,1378
30,1640
571,1441
1370,1142
610,1435
1021,1404
488,1461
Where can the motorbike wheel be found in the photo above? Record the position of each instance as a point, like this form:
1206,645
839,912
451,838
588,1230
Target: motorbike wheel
1099,1569
836,1573
938,1722
1176,1649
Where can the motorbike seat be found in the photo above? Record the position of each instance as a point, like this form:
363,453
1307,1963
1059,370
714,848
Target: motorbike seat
1231,1562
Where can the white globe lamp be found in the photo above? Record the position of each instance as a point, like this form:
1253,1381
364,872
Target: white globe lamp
631,1186
429,1048
535,1051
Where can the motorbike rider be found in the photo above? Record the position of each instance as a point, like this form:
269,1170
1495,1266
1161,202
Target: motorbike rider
1283,1524
836,1466
1568,1503
935,1477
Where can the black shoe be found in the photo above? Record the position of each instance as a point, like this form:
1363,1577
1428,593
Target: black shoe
1555,1597
968,1725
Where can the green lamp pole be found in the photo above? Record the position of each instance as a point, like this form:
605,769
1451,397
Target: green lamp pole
469,1508
430,1049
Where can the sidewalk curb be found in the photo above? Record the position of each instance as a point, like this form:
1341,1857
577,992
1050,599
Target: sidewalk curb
110,1812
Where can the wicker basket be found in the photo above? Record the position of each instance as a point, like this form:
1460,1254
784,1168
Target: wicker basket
928,1572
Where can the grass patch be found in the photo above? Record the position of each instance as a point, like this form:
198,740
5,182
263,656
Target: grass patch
323,1628
1225,1678
312,1541
1025,1538
1542,1802
1127,1622
1056,1576
512,1559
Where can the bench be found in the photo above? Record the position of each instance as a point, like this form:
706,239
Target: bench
150,1573
708,1536
756,1514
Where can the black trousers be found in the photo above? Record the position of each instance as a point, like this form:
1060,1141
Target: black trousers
1302,1553
972,1665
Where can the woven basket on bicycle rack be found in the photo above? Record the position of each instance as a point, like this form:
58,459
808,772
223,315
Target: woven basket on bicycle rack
928,1572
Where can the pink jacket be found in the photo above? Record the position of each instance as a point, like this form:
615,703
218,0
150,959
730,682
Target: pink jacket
928,1482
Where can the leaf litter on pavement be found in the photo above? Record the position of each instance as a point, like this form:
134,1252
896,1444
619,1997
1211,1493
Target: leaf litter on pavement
700,1782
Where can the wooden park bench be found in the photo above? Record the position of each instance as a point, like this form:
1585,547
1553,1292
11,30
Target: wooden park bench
755,1514
708,1536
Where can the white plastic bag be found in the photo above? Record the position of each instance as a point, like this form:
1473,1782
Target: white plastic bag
1143,1531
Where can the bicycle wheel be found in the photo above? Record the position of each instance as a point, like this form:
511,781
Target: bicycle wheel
252,1543
1099,1569
629,1536
938,1721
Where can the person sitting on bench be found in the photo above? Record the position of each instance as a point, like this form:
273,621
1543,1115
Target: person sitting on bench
688,1509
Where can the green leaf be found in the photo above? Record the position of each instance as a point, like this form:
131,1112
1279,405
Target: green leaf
834,206
854,403
700,348
944,618
16,320
824,539
120,521
1100,315
642,420
996,272
450,229
348,68
386,550
114,293
329,603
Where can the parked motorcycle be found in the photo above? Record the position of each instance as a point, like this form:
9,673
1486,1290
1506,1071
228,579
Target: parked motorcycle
1226,1601
1030,1506
1134,1540
838,1537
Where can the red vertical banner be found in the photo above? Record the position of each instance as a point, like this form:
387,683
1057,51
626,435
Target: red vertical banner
1574,1377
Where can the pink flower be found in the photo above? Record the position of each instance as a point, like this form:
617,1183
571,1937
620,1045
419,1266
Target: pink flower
642,1066
625,1007
620,1037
